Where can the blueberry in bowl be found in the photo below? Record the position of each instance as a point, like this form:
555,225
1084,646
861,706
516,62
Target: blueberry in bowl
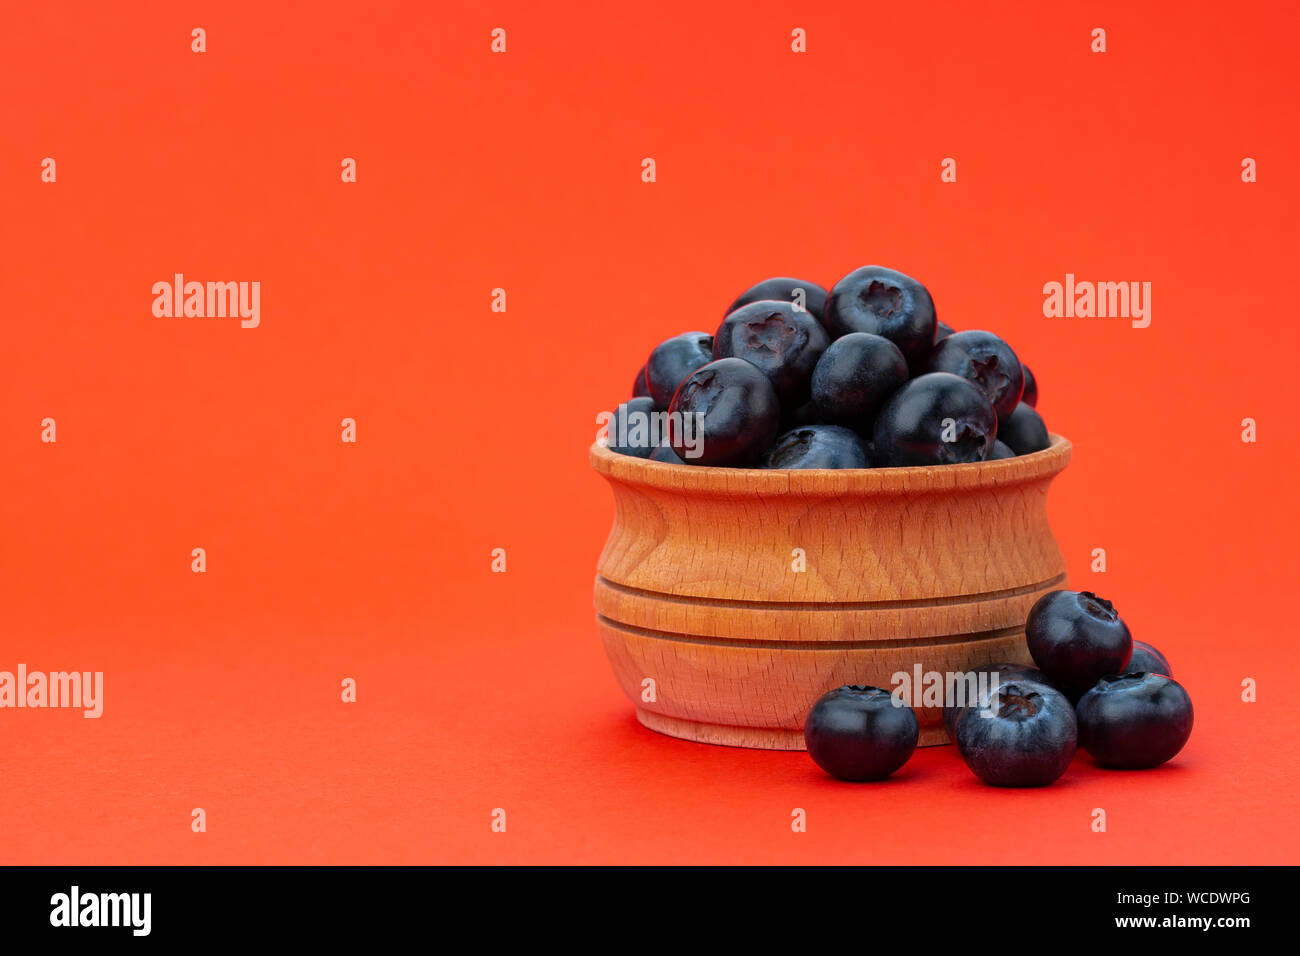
631,430
935,419
1023,431
854,377
1023,735
883,302
799,292
1030,394
860,733
1135,721
672,360
779,341
1076,638
1001,451
724,413
817,446
639,387
665,454
984,359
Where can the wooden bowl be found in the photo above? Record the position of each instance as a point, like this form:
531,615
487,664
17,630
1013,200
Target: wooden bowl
715,636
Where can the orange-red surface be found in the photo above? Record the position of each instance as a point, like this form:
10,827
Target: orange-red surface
522,171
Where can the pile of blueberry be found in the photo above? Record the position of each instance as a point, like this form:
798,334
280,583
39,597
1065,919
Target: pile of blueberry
1094,687
863,376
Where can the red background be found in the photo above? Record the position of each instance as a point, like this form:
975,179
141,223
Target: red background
479,690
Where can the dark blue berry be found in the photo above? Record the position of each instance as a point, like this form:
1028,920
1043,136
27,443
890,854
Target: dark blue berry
817,446
883,302
1134,721
1147,659
855,376
1023,431
632,429
1030,394
672,360
984,359
782,343
784,289
935,419
1027,739
734,410
1076,638
860,733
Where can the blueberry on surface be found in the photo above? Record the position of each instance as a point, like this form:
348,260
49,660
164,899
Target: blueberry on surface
631,430
1027,739
782,343
984,359
639,388
935,419
1148,660
1030,394
817,446
1076,638
1134,721
883,302
860,733
785,289
855,376
672,360
1000,450
1023,431
1006,672
734,414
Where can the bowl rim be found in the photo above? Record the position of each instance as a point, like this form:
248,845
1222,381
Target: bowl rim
706,479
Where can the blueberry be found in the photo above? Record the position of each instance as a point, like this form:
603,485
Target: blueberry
883,302
674,359
1076,638
632,429
737,411
779,341
666,454
639,388
984,359
1000,450
1148,660
1006,672
1023,431
784,289
935,419
817,446
805,414
854,377
860,733
942,331
1030,395
1135,721
1027,740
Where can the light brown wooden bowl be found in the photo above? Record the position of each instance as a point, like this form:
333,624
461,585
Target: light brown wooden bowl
696,591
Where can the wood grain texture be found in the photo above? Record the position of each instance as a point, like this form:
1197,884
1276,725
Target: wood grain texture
697,587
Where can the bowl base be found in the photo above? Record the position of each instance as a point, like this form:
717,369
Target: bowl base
756,738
